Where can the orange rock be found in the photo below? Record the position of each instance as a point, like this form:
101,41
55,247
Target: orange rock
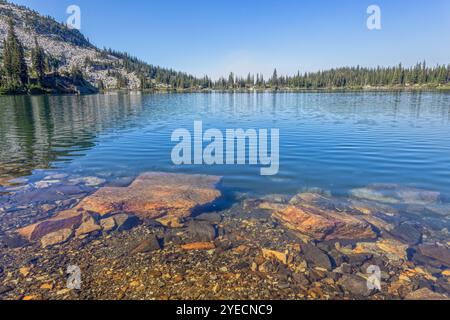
151,195
154,195
321,224
87,226
171,222
199,246
47,286
272,254
28,298
24,271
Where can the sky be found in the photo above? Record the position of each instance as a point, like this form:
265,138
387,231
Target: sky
217,37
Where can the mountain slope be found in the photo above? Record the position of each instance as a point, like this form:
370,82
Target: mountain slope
68,47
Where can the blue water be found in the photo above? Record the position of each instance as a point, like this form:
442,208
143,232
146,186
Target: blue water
333,141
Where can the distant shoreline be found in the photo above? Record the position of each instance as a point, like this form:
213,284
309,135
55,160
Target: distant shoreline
250,90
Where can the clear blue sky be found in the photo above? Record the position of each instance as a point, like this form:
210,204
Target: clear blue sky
216,36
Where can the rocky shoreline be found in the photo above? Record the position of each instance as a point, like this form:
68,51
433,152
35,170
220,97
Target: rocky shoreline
163,236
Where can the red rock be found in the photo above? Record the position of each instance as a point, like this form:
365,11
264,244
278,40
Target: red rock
65,220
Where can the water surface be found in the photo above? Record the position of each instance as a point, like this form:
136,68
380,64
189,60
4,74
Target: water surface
333,141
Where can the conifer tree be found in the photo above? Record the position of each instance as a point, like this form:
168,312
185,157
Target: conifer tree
38,61
14,66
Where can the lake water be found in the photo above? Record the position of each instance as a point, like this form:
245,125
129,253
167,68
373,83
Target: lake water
332,141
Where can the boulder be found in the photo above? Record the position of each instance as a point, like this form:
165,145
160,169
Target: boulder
316,257
425,294
393,250
56,237
69,219
151,195
395,194
356,285
108,224
272,254
171,222
408,232
148,245
125,222
321,224
439,253
201,231
87,226
154,195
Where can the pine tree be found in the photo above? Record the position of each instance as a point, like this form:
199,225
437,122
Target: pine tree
14,66
38,61
231,81
274,80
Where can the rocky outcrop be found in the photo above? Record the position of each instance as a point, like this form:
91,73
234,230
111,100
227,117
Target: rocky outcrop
151,195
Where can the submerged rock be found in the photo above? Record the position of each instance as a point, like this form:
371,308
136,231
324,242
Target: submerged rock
355,285
88,181
65,220
201,231
148,245
425,294
13,242
317,257
56,237
154,195
125,222
88,225
408,232
439,253
150,195
272,254
395,194
321,224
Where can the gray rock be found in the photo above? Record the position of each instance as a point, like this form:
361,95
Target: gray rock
408,232
425,294
13,242
5,289
57,237
316,257
125,222
355,285
213,218
148,245
201,231
439,253
358,259
301,279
